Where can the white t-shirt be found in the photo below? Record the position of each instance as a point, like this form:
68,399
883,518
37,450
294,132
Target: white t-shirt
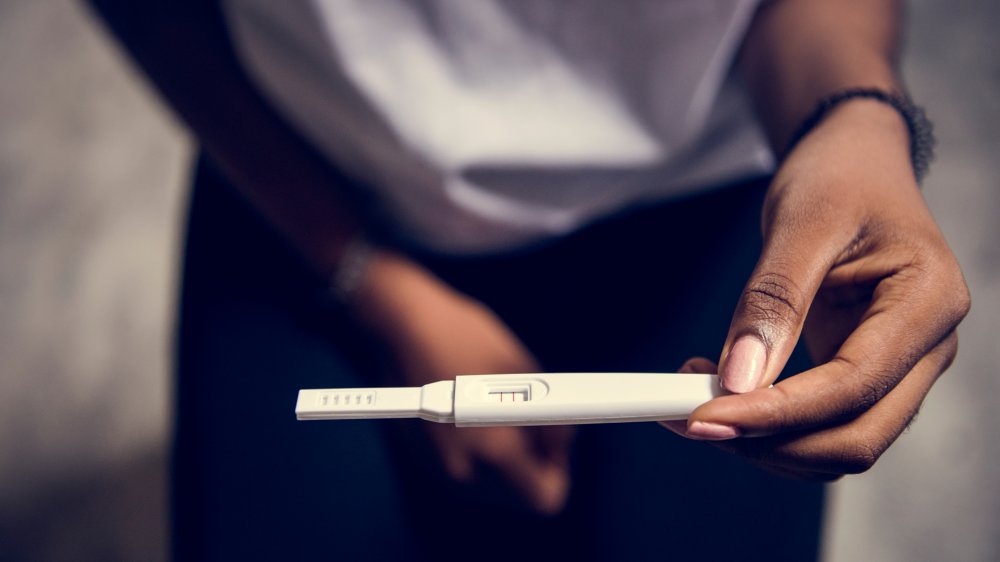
484,125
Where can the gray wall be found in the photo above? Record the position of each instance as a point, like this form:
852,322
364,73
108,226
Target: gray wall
92,174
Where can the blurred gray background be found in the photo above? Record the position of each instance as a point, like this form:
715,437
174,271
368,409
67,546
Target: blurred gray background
92,190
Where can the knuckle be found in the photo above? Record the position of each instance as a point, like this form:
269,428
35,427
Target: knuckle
871,389
868,384
949,282
860,459
950,350
947,351
962,302
944,273
774,298
860,455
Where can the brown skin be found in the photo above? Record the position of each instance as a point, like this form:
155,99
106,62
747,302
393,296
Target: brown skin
852,257
854,261
434,332
437,333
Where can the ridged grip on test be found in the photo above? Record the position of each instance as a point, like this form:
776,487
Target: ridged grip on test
432,402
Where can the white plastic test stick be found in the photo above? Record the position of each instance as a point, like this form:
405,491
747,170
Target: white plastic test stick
521,399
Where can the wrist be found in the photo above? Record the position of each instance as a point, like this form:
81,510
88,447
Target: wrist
870,118
886,114
856,157
857,137
391,292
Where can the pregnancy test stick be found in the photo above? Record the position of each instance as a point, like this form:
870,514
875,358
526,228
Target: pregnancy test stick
521,399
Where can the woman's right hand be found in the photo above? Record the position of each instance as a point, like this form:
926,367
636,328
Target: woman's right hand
436,333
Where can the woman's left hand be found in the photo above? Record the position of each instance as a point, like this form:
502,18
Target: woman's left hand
854,262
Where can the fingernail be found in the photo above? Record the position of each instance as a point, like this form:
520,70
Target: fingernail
712,431
745,365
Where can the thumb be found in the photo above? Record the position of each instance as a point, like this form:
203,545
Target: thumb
773,307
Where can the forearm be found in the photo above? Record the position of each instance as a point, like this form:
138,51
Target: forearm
799,51
183,47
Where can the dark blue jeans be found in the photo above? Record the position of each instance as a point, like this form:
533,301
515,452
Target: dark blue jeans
640,292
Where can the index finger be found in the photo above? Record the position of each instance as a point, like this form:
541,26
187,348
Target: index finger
904,322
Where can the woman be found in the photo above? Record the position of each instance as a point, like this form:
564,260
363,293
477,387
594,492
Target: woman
507,187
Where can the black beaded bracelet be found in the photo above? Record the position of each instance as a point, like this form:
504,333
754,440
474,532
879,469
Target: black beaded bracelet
920,128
